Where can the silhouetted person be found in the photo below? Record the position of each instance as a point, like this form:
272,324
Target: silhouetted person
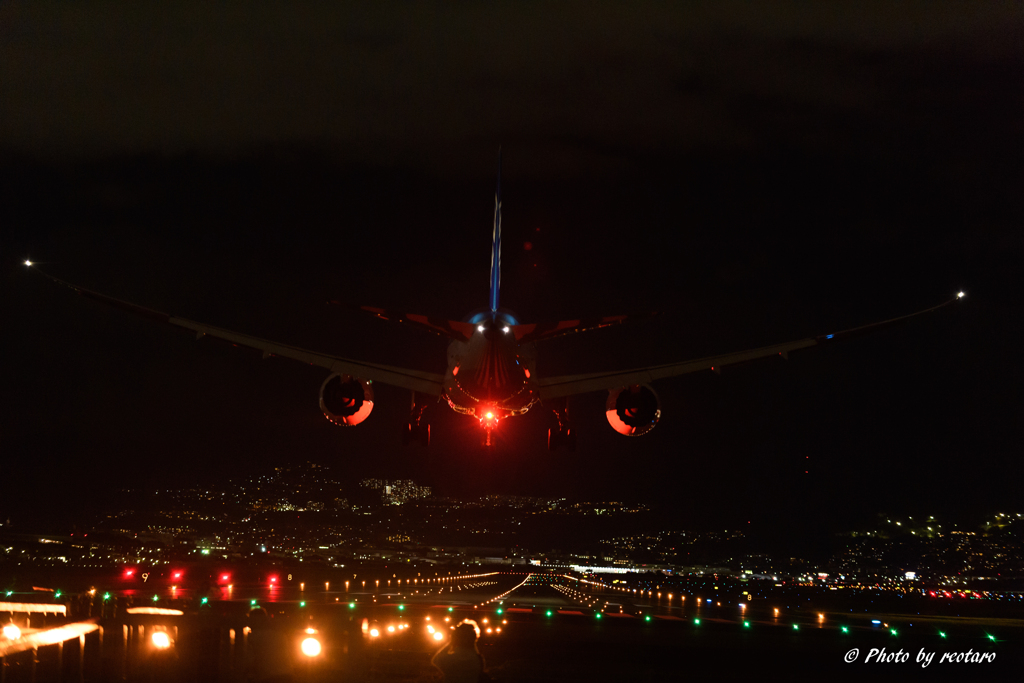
459,660
269,651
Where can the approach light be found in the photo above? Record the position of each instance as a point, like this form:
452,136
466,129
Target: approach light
374,633
310,647
12,632
438,635
161,640
391,629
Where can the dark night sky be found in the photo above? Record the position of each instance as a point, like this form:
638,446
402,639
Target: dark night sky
757,174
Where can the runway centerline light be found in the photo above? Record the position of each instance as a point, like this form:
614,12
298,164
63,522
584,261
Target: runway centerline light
311,647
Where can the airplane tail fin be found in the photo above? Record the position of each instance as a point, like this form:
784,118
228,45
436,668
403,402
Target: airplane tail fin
496,243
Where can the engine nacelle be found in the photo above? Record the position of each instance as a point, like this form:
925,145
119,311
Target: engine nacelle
633,410
346,400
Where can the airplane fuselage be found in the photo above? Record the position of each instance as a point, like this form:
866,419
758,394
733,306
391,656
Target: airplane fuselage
491,376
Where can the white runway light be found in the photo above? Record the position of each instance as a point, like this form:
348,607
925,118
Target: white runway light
311,647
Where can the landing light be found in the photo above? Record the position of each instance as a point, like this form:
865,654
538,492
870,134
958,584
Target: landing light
27,262
505,329
959,295
479,328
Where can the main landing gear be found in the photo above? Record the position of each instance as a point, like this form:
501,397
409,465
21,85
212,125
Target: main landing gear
417,431
561,437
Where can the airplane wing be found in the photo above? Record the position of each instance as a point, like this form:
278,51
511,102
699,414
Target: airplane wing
425,382
567,385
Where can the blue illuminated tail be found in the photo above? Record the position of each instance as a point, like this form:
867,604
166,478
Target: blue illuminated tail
496,243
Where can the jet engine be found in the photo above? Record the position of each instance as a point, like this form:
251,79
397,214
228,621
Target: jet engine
633,410
346,400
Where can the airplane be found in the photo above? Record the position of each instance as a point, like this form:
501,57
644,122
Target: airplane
491,365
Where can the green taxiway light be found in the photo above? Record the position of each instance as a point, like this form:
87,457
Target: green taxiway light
351,605
598,615
548,613
892,631
57,594
746,624
990,637
796,627
204,601
10,593
697,622
302,604
252,602
401,607
846,630
155,598
451,609
106,596
647,618
942,634
500,610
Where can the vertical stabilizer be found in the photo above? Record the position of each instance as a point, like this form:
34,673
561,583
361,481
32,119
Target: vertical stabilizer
496,243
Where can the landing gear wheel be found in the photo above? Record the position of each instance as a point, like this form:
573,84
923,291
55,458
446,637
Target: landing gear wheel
416,433
558,440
